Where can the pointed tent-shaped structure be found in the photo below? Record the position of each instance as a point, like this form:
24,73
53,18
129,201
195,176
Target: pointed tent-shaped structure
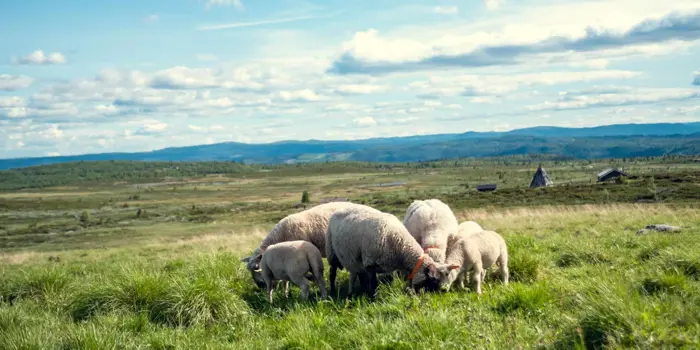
540,179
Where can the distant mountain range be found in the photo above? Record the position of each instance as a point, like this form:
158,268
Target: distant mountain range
621,140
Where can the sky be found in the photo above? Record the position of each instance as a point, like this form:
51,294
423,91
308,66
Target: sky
80,76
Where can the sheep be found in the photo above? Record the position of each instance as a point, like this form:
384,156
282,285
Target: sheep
431,222
476,252
309,225
464,230
366,241
290,261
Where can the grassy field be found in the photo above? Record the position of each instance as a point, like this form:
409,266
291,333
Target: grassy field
155,264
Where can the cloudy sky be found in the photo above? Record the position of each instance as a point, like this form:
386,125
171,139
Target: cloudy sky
85,76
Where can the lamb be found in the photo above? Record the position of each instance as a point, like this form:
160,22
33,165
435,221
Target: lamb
366,241
290,261
309,225
431,222
476,252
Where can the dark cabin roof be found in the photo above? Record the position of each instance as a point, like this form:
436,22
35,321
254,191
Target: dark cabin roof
611,171
486,187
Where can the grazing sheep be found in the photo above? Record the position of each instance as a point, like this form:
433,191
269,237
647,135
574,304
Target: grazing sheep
309,225
366,241
476,252
431,222
464,230
290,261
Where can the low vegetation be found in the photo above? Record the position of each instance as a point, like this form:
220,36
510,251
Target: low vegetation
111,265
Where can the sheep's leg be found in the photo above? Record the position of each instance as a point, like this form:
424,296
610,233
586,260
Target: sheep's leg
351,281
373,281
286,289
303,284
364,281
333,271
269,291
483,275
267,277
322,287
503,266
373,285
476,276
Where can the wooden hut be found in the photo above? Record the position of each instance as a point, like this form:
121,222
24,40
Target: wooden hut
610,174
486,188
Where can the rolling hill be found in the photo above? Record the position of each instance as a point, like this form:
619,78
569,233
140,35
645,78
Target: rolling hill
622,140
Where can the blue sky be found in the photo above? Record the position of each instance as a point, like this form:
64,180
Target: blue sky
81,76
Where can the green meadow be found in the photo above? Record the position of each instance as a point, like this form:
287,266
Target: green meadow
102,255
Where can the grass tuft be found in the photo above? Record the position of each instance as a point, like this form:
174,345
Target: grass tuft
526,300
576,258
523,267
663,284
33,284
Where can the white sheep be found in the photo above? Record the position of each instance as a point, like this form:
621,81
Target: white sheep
366,241
476,252
431,222
463,230
309,225
291,261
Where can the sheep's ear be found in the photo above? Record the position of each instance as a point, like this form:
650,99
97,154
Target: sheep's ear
246,259
454,267
433,271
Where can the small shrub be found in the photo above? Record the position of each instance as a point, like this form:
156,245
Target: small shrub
663,284
36,284
687,267
523,268
649,253
529,301
305,197
573,258
85,217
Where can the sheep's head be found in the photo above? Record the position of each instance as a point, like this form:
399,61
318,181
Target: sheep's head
447,280
253,265
430,274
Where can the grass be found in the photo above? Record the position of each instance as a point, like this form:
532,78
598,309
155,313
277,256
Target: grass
581,276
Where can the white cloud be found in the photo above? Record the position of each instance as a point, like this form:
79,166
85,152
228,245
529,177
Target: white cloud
615,97
235,3
12,101
150,126
305,95
105,109
39,58
492,4
696,79
446,10
474,85
197,128
359,89
364,122
539,34
14,82
152,18
14,112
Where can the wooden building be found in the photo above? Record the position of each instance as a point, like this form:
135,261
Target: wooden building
486,187
610,174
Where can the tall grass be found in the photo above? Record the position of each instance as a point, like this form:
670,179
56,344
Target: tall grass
580,278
